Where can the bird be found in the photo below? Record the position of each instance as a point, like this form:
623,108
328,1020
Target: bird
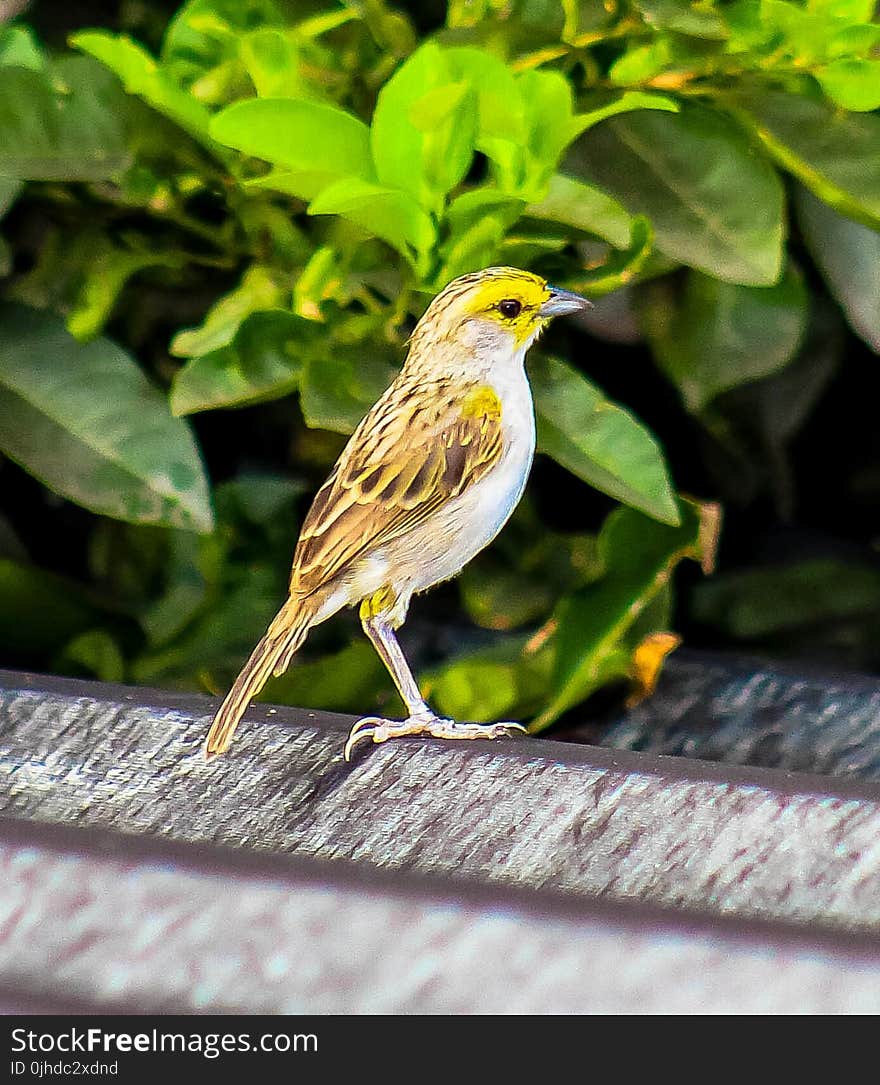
426,481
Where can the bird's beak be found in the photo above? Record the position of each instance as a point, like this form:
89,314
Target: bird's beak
562,301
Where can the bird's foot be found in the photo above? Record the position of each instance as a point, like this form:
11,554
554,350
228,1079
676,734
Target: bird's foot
380,730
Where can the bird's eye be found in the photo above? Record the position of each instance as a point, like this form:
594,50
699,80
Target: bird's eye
510,308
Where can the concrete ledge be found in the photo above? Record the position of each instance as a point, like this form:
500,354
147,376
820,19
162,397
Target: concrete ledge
751,712
524,875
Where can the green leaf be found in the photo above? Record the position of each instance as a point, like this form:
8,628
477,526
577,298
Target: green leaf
219,592
64,260
761,602
258,500
698,20
597,440
621,268
501,112
383,212
185,589
263,361
448,119
424,128
397,144
533,242
477,222
852,82
639,64
392,30
502,681
19,48
751,31
800,34
500,108
206,33
313,144
585,207
69,130
11,545
143,76
504,599
779,405
351,680
94,653
519,579
260,288
272,232
835,154
127,561
514,25
272,62
340,386
859,11
104,279
754,424
713,203
478,690
212,649
719,335
39,612
10,190
549,122
551,125
629,102
84,420
255,517
468,209
848,255
640,555
853,40
318,282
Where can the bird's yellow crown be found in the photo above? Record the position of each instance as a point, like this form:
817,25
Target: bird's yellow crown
506,296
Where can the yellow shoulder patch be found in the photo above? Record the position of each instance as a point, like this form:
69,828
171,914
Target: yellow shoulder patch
482,402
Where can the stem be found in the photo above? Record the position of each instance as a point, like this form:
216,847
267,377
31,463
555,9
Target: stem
192,225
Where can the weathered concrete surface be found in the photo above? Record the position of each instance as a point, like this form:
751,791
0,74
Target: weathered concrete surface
522,812
83,929
749,712
521,875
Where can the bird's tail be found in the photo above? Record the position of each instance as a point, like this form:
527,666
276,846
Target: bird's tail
288,630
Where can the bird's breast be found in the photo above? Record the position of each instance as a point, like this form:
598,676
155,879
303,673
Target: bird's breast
439,547
497,494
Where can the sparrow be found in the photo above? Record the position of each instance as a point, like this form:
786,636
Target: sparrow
426,481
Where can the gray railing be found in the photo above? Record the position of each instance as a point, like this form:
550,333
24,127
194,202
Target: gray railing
523,875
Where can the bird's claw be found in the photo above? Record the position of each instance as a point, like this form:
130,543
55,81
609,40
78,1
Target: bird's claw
368,727
380,730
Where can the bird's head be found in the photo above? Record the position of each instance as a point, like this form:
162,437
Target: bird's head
500,309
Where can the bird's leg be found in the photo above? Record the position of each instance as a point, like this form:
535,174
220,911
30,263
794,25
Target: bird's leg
388,647
421,720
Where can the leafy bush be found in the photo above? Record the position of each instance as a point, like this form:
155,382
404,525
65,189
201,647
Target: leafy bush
259,206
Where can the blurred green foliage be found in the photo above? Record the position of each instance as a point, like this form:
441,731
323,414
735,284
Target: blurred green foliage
259,203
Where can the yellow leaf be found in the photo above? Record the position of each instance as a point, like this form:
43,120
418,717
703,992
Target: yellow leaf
647,662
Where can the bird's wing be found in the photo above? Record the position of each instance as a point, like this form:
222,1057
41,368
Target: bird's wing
410,455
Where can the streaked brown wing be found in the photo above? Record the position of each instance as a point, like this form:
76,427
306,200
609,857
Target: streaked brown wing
414,451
